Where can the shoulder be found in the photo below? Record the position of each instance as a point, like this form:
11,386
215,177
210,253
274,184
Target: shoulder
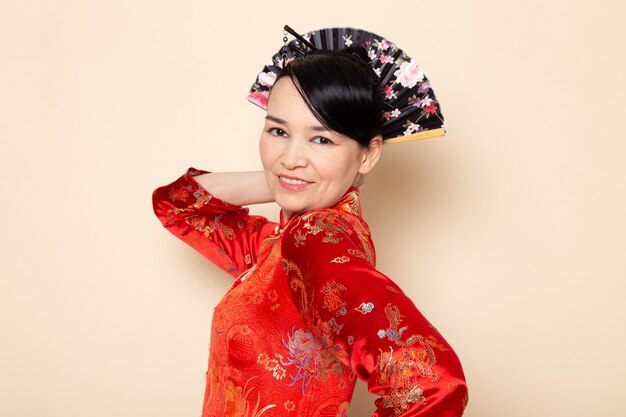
323,230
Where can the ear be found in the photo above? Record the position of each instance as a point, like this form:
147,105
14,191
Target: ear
371,154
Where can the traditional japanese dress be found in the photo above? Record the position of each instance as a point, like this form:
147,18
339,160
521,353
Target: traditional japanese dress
308,314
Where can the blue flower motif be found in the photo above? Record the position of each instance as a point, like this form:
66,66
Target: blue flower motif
365,308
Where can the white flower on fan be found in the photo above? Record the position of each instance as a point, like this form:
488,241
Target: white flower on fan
412,128
372,54
267,79
391,114
347,39
383,45
426,101
409,74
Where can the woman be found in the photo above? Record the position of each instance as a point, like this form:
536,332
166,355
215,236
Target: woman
308,312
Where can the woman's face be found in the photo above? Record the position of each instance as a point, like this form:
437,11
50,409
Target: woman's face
307,166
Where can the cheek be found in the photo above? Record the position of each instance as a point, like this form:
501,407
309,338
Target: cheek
266,152
349,167
340,170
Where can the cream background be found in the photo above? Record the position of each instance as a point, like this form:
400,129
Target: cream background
509,233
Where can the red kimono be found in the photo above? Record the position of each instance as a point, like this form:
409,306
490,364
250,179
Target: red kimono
307,314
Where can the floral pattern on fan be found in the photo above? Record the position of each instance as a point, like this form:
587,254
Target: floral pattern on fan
411,109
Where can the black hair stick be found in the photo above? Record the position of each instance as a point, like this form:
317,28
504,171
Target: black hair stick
300,38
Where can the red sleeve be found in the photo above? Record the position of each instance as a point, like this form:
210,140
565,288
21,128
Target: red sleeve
225,234
367,321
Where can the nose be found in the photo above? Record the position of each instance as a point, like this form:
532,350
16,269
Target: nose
294,155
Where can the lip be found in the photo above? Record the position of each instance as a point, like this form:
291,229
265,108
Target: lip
290,186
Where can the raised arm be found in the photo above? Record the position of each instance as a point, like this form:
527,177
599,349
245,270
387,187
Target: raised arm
238,188
221,231
367,321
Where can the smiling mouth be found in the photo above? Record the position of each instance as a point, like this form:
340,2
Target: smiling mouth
292,184
292,181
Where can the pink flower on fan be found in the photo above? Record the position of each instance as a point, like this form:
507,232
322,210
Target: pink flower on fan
259,98
409,74
388,91
391,114
267,79
386,59
383,45
431,108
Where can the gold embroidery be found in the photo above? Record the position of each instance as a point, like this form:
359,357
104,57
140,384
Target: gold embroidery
179,193
296,283
202,200
290,406
341,259
392,289
332,296
272,296
208,225
254,297
228,232
357,253
398,375
324,222
365,308
205,225
235,401
272,365
344,407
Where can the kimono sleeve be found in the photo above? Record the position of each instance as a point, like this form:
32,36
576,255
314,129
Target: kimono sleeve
224,233
368,322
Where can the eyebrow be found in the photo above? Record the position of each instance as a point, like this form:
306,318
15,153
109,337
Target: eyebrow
317,128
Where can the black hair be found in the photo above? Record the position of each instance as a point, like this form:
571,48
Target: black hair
341,89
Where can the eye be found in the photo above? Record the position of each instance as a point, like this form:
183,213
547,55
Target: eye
322,140
277,131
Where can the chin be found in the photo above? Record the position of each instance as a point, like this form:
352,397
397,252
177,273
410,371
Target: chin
292,203
290,207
